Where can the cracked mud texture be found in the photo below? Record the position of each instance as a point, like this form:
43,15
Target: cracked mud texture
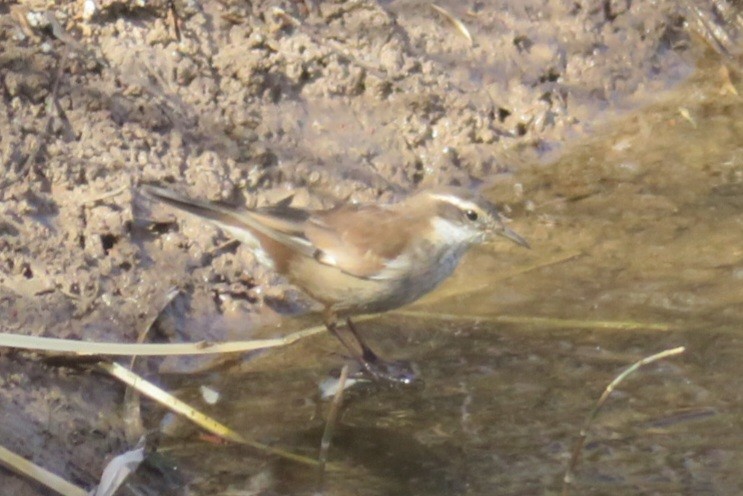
329,101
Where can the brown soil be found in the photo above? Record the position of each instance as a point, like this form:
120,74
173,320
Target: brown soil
331,101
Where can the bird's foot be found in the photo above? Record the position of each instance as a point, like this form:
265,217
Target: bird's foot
381,373
401,372
369,363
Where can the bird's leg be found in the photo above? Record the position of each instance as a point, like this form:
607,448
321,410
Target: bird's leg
366,353
332,325
396,372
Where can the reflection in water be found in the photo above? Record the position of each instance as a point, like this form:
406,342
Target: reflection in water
652,212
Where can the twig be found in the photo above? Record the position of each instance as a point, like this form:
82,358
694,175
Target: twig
36,343
625,325
455,22
175,18
106,195
133,426
204,421
335,407
39,474
578,447
716,36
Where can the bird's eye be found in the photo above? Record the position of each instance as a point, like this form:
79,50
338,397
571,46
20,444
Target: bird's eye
471,215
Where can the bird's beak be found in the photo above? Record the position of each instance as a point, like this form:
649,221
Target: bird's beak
513,236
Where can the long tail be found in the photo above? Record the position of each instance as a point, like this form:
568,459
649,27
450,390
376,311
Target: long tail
246,226
210,211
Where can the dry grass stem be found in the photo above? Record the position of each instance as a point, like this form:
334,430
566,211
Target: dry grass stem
42,476
133,425
202,420
42,344
335,407
578,447
459,25
624,325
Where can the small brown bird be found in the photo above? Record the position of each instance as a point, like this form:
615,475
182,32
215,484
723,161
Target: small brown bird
357,259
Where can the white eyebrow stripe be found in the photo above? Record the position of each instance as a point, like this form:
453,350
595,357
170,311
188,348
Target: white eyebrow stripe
457,202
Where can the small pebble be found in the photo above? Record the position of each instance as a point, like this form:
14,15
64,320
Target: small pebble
89,9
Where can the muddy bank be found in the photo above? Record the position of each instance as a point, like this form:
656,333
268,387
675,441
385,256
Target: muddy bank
334,102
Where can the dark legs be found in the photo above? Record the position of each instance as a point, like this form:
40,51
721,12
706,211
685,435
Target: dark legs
367,355
378,368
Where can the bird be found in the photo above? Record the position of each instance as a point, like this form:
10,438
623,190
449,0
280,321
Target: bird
359,258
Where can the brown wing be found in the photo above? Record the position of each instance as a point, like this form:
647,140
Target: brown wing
361,241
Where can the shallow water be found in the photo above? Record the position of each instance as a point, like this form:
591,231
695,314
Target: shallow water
642,224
